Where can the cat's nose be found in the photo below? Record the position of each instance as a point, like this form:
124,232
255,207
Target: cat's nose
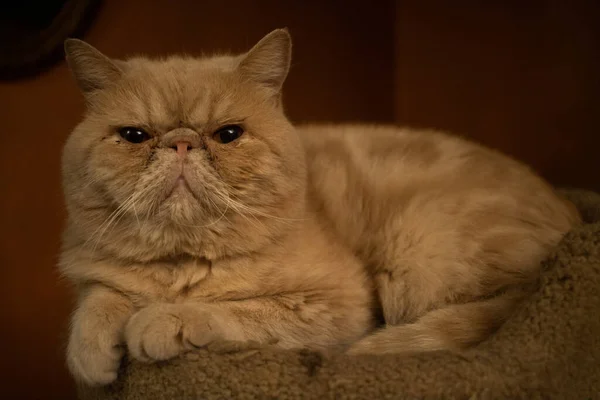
182,140
182,147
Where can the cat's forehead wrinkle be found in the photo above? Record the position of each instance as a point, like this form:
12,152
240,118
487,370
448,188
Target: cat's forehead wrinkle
178,91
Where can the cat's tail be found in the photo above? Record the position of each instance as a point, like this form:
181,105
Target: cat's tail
453,327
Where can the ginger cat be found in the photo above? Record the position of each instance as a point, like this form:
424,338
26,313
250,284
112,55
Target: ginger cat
197,213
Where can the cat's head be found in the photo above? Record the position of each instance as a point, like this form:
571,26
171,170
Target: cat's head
182,155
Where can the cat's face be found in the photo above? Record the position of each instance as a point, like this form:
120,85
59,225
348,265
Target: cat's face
182,156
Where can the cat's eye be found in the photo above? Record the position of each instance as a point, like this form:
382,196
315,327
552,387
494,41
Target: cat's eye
228,133
133,134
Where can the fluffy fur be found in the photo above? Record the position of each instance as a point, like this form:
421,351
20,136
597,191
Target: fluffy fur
299,236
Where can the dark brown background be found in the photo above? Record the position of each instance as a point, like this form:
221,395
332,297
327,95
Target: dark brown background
521,76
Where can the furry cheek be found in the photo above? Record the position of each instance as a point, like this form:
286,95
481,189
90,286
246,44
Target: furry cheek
118,167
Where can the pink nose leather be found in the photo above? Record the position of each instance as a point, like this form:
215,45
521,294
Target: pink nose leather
183,148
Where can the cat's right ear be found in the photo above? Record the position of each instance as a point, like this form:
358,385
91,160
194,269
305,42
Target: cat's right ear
92,69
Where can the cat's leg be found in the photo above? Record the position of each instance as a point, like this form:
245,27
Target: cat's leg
95,344
163,331
439,254
421,268
453,327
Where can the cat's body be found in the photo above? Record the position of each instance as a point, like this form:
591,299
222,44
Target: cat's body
178,236
458,238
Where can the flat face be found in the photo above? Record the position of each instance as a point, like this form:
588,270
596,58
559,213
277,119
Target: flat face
178,152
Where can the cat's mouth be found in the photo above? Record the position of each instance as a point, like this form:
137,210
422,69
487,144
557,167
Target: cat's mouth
181,185
181,182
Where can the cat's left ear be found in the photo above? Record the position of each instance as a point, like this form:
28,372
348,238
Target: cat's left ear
268,62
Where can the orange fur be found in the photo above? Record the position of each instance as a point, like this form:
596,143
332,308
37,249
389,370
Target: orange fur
288,234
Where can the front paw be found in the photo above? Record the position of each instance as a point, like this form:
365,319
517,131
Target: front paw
93,356
163,331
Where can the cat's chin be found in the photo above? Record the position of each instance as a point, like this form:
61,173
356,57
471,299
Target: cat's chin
181,207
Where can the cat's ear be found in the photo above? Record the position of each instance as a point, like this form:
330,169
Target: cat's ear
268,62
92,69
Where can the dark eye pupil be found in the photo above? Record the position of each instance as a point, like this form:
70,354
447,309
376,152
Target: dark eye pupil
229,133
133,135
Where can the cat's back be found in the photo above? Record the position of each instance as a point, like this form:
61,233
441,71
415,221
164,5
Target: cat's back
364,177
382,153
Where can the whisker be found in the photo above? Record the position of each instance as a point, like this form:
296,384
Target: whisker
209,224
236,207
116,216
107,220
137,218
258,212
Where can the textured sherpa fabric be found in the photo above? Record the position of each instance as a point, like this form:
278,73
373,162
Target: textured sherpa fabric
549,349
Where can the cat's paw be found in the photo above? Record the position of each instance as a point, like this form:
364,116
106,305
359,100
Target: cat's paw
93,356
163,331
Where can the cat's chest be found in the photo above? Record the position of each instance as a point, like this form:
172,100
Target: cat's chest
178,282
194,281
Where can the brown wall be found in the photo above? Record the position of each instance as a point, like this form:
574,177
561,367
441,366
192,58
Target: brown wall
521,78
